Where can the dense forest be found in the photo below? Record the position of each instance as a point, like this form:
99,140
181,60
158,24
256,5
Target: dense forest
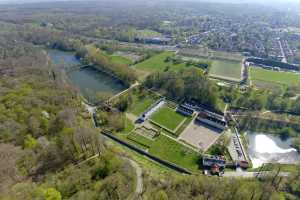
185,85
45,131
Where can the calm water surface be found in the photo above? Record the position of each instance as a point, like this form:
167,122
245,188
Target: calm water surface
265,148
89,80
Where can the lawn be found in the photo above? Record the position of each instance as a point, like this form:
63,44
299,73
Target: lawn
259,75
164,148
168,149
226,69
140,104
140,140
120,60
167,118
157,64
129,126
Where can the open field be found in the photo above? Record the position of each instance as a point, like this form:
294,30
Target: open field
146,33
157,63
226,69
120,60
260,76
167,118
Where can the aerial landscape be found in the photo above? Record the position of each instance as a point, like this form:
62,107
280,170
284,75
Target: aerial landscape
149,100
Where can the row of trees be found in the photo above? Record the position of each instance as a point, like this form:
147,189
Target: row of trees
205,65
203,187
93,55
279,100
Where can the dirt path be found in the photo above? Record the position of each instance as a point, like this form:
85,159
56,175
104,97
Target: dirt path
139,179
125,91
138,170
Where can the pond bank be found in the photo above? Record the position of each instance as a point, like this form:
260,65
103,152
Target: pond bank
90,81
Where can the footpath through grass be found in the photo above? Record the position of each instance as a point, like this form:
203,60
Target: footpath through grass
259,75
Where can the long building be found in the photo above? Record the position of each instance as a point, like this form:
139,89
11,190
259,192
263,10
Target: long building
212,119
185,110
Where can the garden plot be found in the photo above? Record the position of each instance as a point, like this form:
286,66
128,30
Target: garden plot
149,133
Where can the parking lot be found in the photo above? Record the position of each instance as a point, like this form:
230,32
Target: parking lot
200,136
235,149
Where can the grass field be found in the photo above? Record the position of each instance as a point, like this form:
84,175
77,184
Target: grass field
167,118
139,139
148,33
157,63
120,60
262,77
164,148
226,69
140,104
170,150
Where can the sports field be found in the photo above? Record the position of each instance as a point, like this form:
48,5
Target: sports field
259,76
167,118
226,69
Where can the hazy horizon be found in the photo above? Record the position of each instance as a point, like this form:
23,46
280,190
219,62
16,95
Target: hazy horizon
223,1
